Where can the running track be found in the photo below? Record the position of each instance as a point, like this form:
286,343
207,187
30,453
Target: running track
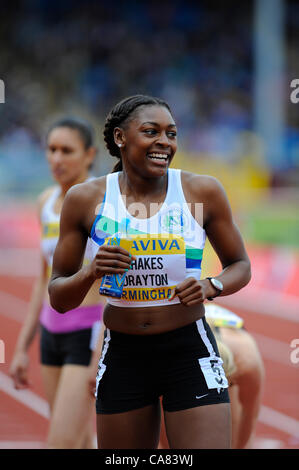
273,323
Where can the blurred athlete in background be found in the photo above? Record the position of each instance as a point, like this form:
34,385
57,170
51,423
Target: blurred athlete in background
68,364
244,369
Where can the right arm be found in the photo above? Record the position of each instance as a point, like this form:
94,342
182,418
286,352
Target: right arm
20,361
70,280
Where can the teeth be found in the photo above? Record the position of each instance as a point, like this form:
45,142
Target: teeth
159,156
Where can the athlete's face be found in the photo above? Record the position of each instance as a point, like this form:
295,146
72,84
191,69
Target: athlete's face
149,141
68,158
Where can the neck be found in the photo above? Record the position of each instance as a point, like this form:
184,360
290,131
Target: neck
132,184
66,186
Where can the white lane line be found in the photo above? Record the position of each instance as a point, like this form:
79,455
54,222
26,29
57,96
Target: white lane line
266,443
267,415
26,397
279,421
285,308
22,445
12,307
264,302
19,262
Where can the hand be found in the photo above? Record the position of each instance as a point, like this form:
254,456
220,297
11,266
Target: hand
192,291
92,383
19,370
111,260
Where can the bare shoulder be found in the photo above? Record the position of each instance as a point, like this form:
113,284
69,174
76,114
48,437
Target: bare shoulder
44,196
81,200
201,188
87,191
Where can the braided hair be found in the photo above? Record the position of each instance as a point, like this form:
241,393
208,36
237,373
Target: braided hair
119,115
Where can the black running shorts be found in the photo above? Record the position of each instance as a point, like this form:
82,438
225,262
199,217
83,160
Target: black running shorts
181,366
57,349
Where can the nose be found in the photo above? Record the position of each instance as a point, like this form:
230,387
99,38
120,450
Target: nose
56,156
163,139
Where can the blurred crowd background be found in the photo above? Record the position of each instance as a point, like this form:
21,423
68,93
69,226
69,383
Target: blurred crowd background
224,67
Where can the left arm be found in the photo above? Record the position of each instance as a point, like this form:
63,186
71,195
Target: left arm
226,240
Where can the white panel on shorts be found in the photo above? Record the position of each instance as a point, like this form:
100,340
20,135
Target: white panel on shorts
213,372
102,367
211,366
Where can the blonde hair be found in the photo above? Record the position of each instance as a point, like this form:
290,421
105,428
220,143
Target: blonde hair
226,354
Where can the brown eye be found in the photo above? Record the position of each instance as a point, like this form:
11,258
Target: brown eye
150,131
172,134
67,150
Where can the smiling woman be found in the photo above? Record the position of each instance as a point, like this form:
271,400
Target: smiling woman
157,341
148,129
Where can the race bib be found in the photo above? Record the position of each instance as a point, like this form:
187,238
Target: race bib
213,372
160,265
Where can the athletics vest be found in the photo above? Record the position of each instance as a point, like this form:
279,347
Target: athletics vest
50,230
168,246
220,316
87,316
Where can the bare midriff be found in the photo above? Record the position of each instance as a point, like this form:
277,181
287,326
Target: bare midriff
150,320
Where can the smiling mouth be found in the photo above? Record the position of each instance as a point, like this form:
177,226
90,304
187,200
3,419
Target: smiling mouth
158,157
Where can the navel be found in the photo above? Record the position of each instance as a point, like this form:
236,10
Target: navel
145,325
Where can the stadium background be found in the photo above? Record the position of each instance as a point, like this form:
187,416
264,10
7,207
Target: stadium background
226,71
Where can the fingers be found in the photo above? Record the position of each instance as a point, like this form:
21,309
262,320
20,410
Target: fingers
190,292
21,385
116,250
20,381
179,289
92,387
112,260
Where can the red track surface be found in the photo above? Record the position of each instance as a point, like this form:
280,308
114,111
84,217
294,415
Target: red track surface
22,417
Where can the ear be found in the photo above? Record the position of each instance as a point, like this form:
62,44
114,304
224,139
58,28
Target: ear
119,137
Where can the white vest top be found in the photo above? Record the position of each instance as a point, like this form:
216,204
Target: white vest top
222,317
168,246
50,230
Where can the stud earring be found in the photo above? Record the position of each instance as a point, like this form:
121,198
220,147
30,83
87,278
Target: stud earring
120,145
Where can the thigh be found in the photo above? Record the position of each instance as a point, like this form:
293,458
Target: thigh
50,377
136,429
249,375
73,408
202,427
236,413
245,350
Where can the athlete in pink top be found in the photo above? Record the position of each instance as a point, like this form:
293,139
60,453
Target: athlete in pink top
69,343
